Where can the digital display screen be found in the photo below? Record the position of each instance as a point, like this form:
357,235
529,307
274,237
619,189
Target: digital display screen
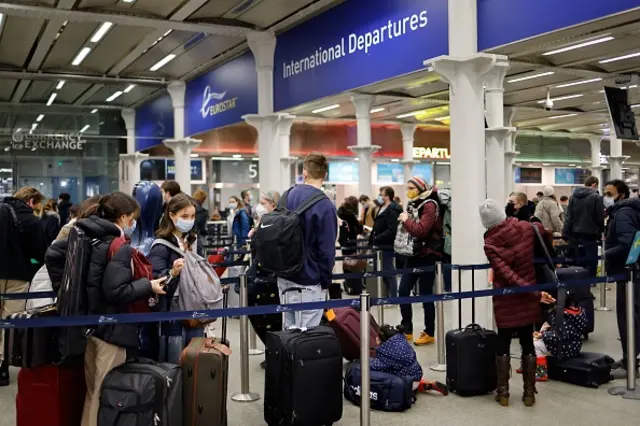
197,170
565,176
528,175
390,173
424,171
343,171
624,120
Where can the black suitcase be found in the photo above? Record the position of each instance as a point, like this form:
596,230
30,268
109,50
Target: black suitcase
141,393
471,356
581,293
587,369
31,347
303,378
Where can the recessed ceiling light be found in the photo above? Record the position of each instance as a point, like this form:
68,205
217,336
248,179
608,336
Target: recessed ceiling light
576,83
256,159
162,62
572,165
40,117
84,129
51,99
101,31
93,111
579,45
128,1
129,88
529,77
324,109
562,98
114,96
167,33
554,117
395,160
60,84
194,155
409,114
546,164
237,156
620,58
80,56
373,111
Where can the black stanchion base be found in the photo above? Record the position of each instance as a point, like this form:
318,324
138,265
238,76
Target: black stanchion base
625,392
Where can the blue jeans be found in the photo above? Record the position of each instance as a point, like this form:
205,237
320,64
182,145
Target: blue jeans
390,282
174,339
425,284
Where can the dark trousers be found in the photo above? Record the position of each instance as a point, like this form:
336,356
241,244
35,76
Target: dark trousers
524,333
621,313
390,282
265,294
588,248
425,286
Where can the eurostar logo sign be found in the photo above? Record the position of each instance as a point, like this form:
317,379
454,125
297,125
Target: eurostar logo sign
214,102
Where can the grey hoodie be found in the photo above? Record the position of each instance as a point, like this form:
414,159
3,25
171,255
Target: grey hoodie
584,218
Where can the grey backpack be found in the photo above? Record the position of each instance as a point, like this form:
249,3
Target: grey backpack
200,286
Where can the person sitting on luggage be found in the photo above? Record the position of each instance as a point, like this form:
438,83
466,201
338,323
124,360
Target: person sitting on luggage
546,341
111,290
509,245
177,228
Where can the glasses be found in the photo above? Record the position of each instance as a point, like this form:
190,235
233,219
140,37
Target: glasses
410,188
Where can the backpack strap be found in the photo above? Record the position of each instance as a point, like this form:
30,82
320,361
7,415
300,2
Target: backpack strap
163,242
310,202
14,216
283,198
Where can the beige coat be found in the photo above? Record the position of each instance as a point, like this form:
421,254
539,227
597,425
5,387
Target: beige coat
549,212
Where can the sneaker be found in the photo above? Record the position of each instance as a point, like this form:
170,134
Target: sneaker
408,336
424,339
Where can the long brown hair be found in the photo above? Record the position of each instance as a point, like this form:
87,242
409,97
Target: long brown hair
117,204
51,206
167,227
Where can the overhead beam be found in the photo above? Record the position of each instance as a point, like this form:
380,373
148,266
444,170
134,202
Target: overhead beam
46,12
563,70
52,110
83,78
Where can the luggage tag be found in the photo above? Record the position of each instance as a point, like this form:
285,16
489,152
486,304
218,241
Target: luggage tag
331,315
219,346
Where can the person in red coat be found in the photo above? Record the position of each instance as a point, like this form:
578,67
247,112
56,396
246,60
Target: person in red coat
509,245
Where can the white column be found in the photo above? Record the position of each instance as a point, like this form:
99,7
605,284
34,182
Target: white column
177,90
615,154
263,47
364,149
182,154
596,167
130,162
510,152
408,130
464,70
284,143
129,118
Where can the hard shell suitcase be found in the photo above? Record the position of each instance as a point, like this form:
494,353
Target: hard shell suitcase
588,369
471,356
205,372
141,393
303,378
50,395
31,347
345,322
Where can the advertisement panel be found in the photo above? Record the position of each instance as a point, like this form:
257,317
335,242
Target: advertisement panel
343,172
390,173
154,122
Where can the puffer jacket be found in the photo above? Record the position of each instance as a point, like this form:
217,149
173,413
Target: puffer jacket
624,221
549,211
428,227
55,259
510,246
396,356
584,217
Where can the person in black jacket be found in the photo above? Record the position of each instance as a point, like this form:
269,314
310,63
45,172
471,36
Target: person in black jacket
624,222
519,206
50,220
384,234
22,247
64,206
177,228
111,289
348,233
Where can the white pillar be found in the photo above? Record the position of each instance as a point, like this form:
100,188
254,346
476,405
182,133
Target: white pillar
596,167
510,155
408,130
464,70
130,162
263,47
182,154
284,144
129,118
177,90
615,154
364,149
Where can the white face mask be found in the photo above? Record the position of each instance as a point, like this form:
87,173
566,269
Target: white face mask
608,201
233,206
261,210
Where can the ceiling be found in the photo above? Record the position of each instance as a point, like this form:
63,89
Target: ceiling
575,74
133,49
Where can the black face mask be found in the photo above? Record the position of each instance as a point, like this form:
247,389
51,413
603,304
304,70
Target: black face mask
510,210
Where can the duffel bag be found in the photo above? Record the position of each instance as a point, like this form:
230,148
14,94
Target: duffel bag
387,392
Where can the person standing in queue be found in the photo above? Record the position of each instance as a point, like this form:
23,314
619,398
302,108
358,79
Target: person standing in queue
348,230
423,221
518,206
509,245
238,220
384,233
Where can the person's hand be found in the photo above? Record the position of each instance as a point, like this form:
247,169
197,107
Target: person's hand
537,335
251,232
158,285
403,217
177,267
546,298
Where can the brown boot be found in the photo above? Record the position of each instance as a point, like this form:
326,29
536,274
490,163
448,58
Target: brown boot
529,378
503,364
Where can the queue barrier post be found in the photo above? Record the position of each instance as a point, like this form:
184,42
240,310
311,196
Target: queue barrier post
365,353
380,285
245,394
603,273
253,338
440,364
629,391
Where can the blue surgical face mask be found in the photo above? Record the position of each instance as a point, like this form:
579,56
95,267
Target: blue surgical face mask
608,202
233,206
129,230
380,199
184,225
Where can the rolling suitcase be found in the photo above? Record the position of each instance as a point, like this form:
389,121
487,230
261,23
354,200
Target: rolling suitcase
205,372
303,378
31,347
587,369
50,395
345,322
471,356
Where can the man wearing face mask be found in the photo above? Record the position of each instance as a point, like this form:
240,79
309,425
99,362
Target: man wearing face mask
624,221
384,233
518,206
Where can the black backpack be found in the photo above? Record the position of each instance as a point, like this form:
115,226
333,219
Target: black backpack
279,239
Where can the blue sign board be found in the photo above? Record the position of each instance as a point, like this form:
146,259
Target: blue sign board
424,171
343,171
197,170
222,96
154,122
565,176
355,44
502,22
635,250
390,173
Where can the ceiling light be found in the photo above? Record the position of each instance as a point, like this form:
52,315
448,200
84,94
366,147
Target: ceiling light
633,86
579,45
60,84
561,116
237,156
167,33
51,99
1,18
93,111
576,83
162,62
529,77
194,155
129,88
395,160
102,30
256,159
40,117
324,109
546,164
409,114
84,129
128,1
34,126
114,96
444,118
562,98
620,58
572,165
373,111
80,56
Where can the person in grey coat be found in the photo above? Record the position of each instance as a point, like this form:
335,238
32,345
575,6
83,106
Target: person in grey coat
549,212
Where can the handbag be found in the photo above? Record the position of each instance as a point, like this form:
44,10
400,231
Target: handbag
355,265
406,244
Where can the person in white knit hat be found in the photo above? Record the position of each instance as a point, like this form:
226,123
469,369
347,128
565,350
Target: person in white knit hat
549,211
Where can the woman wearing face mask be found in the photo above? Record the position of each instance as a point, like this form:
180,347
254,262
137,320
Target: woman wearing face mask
111,289
348,231
176,228
238,221
268,202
